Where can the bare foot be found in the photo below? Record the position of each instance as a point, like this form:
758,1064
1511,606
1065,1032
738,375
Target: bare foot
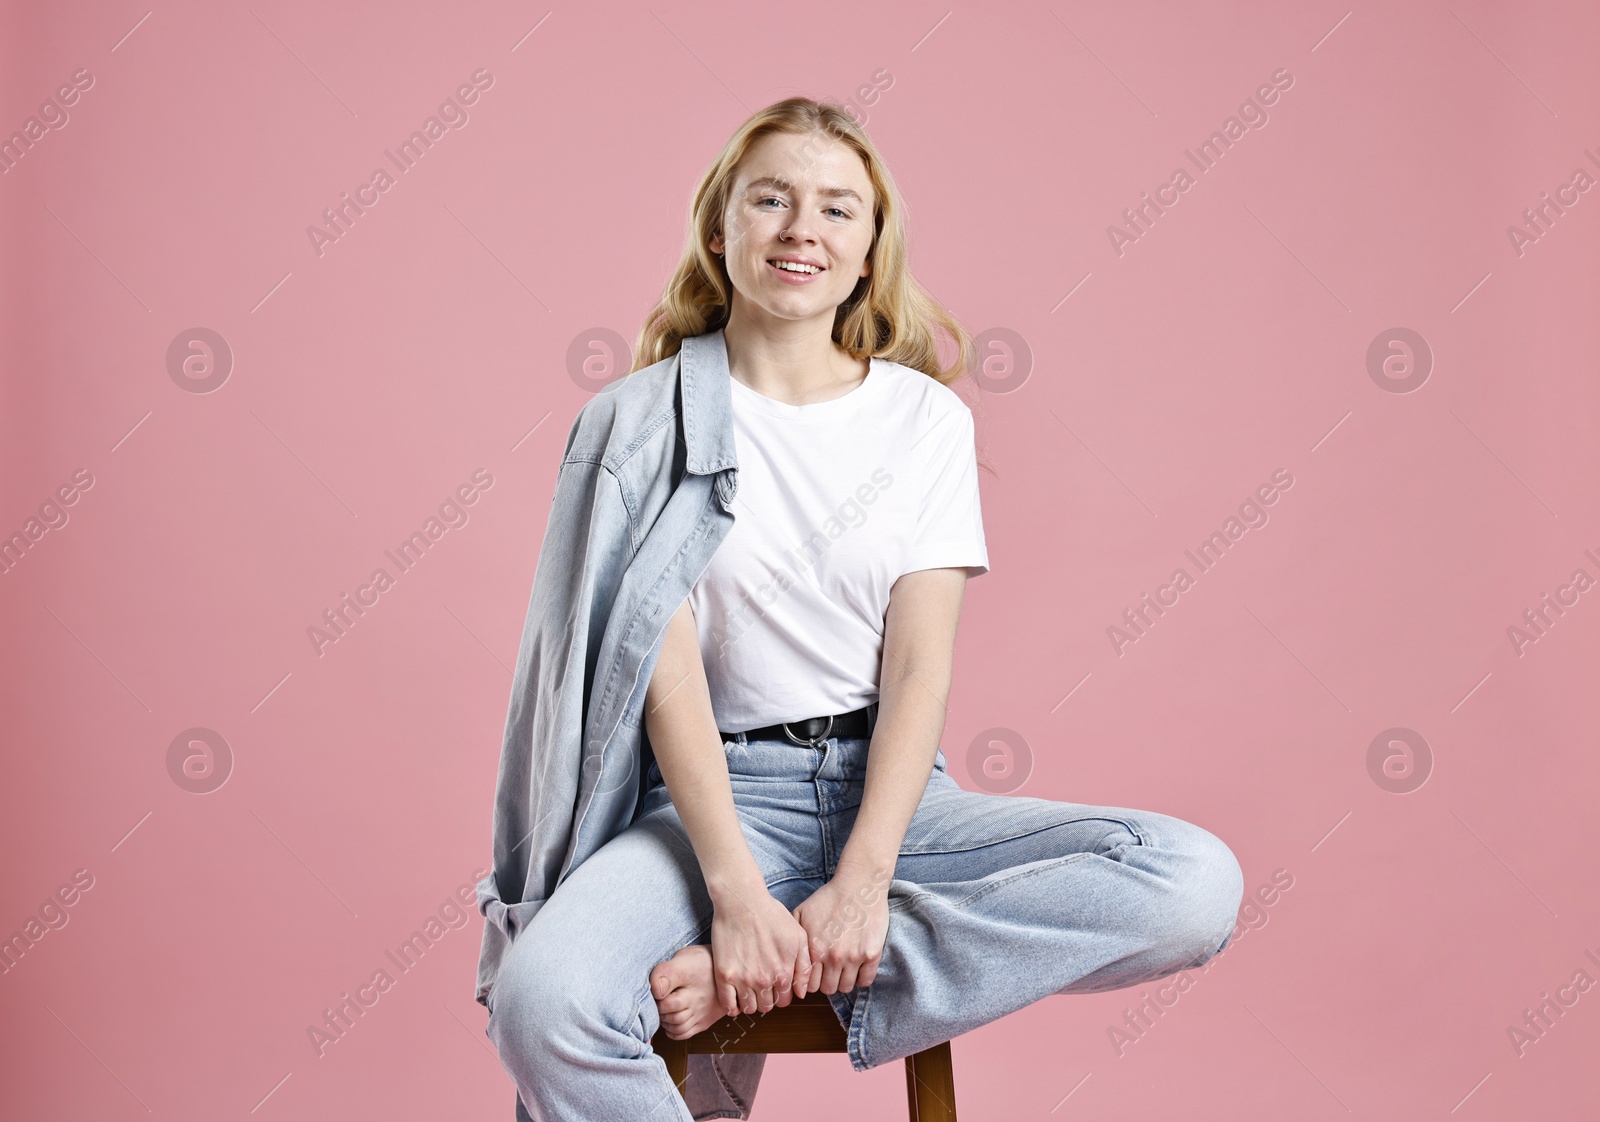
684,992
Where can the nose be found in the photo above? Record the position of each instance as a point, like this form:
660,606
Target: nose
797,230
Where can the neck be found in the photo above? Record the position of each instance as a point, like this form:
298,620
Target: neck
791,361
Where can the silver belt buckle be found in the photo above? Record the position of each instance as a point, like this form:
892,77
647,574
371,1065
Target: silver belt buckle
812,743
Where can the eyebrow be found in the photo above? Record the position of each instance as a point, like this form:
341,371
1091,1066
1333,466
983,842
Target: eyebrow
777,181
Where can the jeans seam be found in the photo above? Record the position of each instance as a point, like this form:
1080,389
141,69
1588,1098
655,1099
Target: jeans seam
814,874
733,1097
1039,867
858,1023
1125,824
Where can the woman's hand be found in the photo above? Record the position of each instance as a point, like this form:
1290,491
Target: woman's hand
847,920
759,954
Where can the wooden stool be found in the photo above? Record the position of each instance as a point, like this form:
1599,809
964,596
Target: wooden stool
810,1025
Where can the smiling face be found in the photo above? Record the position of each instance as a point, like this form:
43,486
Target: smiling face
799,225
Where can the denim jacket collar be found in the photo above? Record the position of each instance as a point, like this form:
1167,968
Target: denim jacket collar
707,404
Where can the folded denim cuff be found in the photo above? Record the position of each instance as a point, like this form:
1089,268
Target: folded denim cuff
722,1085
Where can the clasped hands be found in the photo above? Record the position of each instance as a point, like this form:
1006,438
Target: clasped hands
764,956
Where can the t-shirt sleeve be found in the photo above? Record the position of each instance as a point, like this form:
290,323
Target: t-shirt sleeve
950,521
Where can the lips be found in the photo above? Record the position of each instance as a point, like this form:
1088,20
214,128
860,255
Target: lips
789,276
794,275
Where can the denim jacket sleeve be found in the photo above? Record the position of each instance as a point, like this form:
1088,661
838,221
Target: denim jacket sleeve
643,498
587,544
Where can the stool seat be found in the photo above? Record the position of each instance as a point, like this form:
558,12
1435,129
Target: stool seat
810,1025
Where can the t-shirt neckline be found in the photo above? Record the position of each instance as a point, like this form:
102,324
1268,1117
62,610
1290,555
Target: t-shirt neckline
776,408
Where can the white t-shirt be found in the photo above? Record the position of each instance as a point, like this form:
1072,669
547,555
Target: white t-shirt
835,501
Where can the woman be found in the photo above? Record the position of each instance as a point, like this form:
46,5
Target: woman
796,797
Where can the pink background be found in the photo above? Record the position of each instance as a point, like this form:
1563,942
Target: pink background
1165,385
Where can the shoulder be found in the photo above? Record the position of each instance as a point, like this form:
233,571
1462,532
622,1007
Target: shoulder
616,422
930,401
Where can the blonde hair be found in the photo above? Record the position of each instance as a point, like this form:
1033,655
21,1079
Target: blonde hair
888,316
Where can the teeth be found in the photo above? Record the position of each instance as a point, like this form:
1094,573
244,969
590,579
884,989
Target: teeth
796,267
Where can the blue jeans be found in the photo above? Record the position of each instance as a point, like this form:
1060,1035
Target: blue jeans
996,902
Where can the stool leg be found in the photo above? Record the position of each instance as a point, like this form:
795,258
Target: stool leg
931,1085
676,1055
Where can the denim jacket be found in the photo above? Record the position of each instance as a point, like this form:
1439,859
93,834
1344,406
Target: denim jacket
643,499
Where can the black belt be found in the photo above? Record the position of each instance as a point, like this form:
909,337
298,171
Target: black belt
813,731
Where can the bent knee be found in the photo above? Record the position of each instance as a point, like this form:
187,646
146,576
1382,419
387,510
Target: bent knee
550,1001
1213,889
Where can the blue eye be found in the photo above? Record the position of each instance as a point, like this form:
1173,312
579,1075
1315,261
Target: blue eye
773,199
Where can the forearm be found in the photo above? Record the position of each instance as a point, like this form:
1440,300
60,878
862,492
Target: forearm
688,749
911,715
913,689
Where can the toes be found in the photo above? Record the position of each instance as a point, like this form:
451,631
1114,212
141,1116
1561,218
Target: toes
674,1002
685,1028
679,1029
